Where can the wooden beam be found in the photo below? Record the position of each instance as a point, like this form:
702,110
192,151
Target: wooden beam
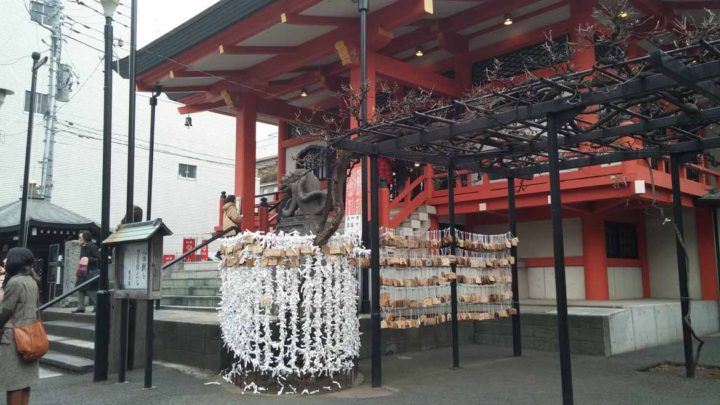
186,89
509,45
393,16
254,24
297,19
189,109
254,50
453,23
296,83
411,75
192,74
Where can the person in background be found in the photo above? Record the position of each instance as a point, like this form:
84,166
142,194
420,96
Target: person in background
18,308
2,277
137,215
231,217
87,269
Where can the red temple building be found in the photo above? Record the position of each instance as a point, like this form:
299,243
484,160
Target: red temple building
272,61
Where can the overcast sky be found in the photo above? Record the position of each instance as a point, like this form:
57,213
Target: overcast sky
157,17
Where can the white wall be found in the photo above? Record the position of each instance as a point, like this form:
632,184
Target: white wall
189,207
625,282
661,254
536,237
536,241
541,282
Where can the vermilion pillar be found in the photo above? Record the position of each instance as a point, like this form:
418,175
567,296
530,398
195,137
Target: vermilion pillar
245,159
595,258
282,161
706,253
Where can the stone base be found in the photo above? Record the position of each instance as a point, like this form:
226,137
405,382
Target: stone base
304,224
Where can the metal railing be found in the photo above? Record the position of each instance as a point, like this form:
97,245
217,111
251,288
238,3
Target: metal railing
69,293
200,246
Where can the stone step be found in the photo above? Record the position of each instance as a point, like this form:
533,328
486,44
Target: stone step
65,314
179,275
68,362
200,266
71,329
190,291
192,282
187,308
190,301
73,347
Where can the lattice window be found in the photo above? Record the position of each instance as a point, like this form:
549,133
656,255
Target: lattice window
531,58
621,240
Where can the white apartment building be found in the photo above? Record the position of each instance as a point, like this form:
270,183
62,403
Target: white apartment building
192,164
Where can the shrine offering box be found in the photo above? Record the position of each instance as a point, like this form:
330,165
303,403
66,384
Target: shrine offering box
137,260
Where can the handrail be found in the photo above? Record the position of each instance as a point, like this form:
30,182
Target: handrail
69,293
406,191
202,245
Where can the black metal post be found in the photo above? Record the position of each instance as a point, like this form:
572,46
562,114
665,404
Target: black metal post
559,258
716,234
512,224
679,233
375,354
151,152
22,230
123,343
102,313
149,341
131,114
363,8
129,308
453,267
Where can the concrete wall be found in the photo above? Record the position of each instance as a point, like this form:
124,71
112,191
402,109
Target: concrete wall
541,282
646,326
662,260
536,241
625,282
536,237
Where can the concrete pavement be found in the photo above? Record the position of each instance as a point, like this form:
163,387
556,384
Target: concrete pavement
489,375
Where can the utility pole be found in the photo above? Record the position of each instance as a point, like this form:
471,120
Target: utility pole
54,18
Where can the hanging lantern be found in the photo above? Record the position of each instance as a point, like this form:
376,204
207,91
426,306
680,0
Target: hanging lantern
188,122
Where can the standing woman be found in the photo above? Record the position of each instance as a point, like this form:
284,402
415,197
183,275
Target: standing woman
18,308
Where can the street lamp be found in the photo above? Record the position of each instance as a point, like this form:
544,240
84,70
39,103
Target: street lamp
22,229
102,318
109,6
3,93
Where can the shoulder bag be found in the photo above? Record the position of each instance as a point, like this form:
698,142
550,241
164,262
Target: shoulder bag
31,341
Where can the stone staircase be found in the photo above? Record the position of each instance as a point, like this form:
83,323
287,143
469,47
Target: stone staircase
72,340
418,221
192,286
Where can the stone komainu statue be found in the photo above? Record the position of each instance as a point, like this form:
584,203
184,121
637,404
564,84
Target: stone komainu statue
304,202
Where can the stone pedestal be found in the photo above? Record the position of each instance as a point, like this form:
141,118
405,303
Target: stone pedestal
304,224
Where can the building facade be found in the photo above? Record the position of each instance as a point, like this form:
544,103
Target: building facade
193,164
277,61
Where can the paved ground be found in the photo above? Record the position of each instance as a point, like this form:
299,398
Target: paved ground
488,376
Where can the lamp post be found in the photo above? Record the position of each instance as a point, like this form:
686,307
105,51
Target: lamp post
22,230
102,317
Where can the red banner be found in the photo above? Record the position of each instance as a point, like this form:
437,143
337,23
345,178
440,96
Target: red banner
204,252
188,245
168,258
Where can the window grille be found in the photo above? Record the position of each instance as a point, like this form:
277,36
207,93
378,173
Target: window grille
621,240
186,171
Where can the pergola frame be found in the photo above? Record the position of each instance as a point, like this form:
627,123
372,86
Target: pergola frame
521,132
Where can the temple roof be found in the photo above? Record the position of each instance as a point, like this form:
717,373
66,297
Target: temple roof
43,213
